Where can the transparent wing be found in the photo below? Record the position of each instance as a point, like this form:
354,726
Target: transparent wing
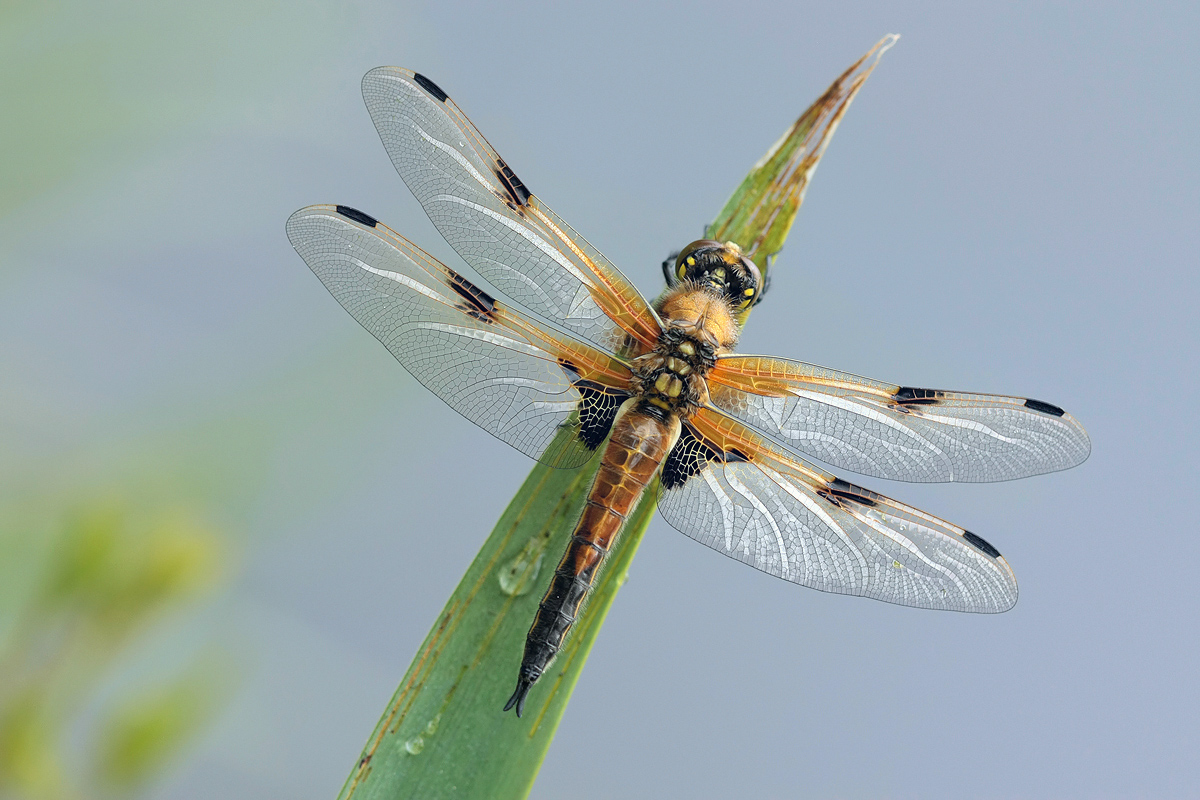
530,387
897,432
484,211
750,500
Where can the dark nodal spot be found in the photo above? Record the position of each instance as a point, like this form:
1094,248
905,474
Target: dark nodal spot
512,184
357,216
1045,408
910,396
844,490
430,87
480,304
981,545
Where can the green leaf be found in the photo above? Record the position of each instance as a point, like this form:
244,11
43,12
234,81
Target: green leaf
443,734
760,212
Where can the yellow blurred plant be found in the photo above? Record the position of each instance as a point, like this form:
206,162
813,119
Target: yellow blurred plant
87,599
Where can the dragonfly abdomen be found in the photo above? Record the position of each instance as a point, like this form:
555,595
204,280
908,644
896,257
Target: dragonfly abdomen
640,441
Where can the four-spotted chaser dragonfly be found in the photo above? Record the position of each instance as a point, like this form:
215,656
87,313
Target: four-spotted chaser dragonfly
580,361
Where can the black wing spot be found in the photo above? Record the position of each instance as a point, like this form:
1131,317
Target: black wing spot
430,87
517,193
910,396
480,304
691,454
981,545
357,216
840,491
598,407
1045,408
688,457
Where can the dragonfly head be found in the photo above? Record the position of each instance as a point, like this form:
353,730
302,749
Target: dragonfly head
720,266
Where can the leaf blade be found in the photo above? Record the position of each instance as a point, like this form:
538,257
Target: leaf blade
760,212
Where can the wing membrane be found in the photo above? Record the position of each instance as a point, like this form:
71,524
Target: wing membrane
897,432
752,501
511,376
484,211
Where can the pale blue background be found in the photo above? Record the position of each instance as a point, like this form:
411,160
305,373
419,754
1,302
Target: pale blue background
1011,205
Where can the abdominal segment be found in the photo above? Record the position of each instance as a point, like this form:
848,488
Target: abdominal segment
641,439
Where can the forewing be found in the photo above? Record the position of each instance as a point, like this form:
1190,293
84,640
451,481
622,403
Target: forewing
897,432
752,501
484,211
546,394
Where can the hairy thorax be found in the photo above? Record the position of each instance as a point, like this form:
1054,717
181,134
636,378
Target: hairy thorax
698,325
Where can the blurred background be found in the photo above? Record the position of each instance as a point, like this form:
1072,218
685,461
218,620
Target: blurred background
228,518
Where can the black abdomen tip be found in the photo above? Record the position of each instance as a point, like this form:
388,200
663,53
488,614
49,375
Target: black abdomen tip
518,696
357,216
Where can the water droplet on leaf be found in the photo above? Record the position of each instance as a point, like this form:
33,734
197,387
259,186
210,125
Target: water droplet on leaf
517,576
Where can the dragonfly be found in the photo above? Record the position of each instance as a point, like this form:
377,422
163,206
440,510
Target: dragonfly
576,362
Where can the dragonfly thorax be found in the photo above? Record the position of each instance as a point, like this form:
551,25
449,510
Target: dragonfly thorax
698,324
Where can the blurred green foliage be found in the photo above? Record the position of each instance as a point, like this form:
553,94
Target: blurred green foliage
89,86
104,579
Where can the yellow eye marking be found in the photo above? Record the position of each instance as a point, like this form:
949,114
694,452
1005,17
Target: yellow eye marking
682,270
691,262
748,292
